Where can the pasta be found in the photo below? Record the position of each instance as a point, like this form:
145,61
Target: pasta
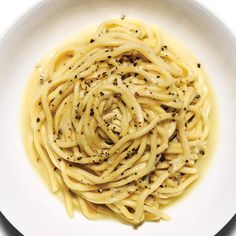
119,122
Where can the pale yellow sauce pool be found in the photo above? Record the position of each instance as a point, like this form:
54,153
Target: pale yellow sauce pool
182,52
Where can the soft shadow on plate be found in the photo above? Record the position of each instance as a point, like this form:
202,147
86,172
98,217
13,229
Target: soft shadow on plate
9,230
7,227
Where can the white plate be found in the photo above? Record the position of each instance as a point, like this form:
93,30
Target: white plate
26,202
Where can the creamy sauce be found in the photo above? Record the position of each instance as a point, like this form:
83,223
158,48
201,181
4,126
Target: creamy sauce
204,162
27,101
182,52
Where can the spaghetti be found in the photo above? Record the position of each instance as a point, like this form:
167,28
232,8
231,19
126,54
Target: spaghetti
119,122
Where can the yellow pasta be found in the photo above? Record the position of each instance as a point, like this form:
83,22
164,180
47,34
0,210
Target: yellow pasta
118,122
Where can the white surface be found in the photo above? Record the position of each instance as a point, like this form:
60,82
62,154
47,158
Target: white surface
214,199
11,9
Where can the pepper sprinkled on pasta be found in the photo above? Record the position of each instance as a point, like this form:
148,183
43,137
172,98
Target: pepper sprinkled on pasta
119,122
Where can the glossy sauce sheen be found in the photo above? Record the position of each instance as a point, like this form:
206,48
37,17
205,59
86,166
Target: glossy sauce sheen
176,47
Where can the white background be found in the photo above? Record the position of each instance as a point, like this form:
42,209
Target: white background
11,10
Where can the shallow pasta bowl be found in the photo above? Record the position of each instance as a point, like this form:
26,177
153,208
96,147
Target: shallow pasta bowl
27,203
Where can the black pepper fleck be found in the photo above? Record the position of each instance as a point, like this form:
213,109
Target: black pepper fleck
122,17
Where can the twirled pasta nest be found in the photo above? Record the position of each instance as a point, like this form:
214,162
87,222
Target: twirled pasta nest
119,122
